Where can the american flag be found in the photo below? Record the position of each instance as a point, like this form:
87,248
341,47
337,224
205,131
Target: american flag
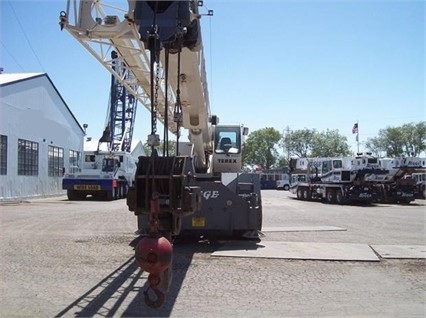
355,128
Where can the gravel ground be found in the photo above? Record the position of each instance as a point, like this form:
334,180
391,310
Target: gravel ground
75,259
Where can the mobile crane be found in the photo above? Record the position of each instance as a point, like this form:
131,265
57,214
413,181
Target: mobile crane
200,192
399,185
335,180
109,173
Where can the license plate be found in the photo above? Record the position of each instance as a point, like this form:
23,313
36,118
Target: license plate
198,221
91,187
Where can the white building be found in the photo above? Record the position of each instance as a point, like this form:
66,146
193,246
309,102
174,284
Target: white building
39,137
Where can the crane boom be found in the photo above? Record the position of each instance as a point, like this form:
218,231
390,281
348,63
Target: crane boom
101,33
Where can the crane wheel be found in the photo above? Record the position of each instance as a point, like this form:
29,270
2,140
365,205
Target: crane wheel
306,194
339,197
299,193
331,197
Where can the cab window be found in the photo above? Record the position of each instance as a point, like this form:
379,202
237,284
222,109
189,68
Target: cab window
227,142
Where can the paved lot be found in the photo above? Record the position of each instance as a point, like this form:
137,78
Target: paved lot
68,259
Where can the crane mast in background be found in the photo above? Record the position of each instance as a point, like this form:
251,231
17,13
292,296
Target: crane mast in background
121,114
109,173
98,27
202,191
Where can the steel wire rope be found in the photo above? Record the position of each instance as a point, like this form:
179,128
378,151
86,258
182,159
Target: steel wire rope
26,37
166,106
153,38
11,55
178,105
210,52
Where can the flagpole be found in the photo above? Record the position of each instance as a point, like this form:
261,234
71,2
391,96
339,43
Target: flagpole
357,135
355,130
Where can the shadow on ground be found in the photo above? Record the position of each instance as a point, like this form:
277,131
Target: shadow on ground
121,293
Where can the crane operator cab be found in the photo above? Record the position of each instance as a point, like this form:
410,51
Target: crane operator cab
225,145
110,164
228,148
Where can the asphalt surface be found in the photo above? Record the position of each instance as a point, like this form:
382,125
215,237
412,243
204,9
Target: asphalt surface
75,259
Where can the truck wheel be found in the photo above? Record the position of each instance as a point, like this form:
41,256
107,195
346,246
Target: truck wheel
109,195
125,190
404,201
299,193
331,198
71,195
339,197
81,196
286,187
306,194
120,191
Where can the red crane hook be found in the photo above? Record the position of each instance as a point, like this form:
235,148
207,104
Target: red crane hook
154,255
154,280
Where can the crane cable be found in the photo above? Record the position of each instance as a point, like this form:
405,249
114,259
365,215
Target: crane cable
177,116
166,106
154,48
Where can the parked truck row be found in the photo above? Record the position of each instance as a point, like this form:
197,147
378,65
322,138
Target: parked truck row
363,178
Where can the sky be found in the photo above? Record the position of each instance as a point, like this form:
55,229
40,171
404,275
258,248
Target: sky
283,64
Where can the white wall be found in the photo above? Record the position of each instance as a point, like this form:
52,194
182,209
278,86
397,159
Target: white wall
32,110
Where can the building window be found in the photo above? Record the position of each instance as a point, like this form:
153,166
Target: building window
27,158
74,161
3,155
56,161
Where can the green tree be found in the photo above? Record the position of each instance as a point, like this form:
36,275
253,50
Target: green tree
406,140
259,148
299,142
282,161
375,146
311,143
414,138
329,144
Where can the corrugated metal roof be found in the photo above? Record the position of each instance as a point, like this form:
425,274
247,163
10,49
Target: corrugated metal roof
7,78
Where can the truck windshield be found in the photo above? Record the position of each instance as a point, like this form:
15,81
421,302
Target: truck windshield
108,164
337,164
227,140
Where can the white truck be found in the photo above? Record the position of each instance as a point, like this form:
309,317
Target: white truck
104,175
109,172
335,180
284,182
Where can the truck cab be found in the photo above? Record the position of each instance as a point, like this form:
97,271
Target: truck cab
110,164
420,180
284,183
